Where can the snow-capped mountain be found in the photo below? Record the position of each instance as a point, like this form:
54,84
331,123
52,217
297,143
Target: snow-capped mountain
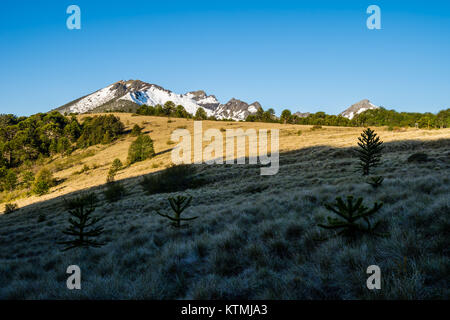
236,109
129,95
358,108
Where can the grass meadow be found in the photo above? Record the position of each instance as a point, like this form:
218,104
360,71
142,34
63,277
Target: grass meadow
256,236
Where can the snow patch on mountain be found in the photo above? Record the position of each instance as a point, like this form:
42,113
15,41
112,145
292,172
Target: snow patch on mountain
98,98
153,96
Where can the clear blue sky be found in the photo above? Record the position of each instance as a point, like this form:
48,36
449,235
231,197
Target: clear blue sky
302,55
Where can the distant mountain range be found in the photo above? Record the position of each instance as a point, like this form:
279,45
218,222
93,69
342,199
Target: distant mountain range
129,95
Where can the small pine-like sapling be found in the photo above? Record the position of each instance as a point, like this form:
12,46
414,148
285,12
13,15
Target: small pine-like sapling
178,205
349,213
375,182
369,152
82,225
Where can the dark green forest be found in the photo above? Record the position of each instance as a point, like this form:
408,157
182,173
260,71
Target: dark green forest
24,140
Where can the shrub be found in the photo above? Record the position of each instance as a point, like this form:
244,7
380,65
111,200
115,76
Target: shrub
375,182
114,192
349,214
76,202
115,167
28,179
178,205
10,181
141,149
369,152
82,225
136,131
43,182
316,127
10,208
418,157
174,178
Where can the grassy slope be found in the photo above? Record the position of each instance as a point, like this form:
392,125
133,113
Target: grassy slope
255,235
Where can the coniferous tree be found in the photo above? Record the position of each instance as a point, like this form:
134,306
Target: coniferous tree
141,149
200,114
349,213
178,205
82,227
375,182
115,167
136,131
369,152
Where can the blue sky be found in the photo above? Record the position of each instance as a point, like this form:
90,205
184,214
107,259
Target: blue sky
302,55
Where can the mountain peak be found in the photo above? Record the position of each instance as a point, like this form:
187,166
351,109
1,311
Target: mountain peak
128,95
358,108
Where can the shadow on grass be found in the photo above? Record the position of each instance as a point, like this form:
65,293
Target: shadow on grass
314,153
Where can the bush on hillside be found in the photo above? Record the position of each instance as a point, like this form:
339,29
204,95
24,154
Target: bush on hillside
43,182
115,167
136,131
174,178
141,149
114,192
10,208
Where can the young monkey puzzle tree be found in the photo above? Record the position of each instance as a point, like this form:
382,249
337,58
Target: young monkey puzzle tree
178,204
369,151
350,212
82,224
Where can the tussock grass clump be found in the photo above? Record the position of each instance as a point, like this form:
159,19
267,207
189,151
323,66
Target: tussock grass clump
174,178
114,192
11,207
82,200
418,157
85,169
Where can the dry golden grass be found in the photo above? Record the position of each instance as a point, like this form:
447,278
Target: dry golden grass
99,158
